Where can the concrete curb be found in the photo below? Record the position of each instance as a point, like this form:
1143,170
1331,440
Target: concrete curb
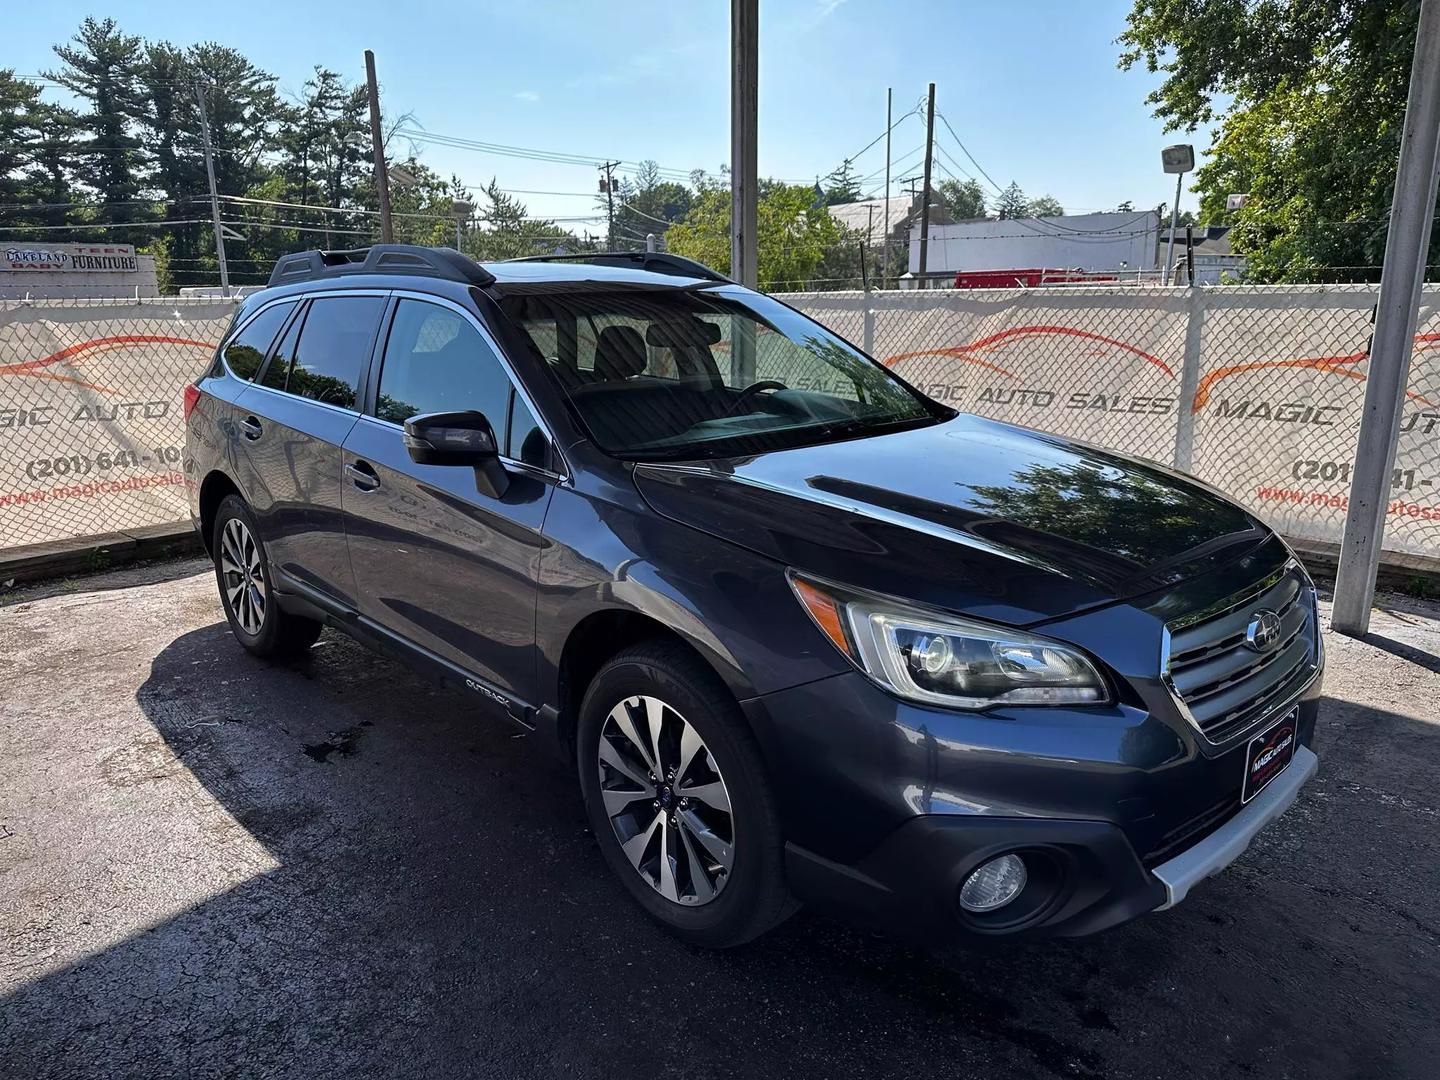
87,554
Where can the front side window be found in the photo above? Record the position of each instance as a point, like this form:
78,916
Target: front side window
677,373
331,351
436,361
246,350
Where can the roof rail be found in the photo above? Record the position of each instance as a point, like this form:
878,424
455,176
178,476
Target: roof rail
380,259
660,262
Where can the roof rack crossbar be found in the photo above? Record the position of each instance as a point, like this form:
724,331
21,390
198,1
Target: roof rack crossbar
661,262
380,259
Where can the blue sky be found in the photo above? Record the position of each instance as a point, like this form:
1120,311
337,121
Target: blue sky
1031,86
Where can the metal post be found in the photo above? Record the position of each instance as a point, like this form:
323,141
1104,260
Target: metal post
1190,255
925,189
744,120
377,146
214,198
885,262
1174,222
867,332
1406,247
651,242
1189,379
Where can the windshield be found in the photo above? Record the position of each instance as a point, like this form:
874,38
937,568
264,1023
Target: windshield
671,374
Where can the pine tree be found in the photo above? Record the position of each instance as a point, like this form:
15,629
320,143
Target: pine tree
101,67
1012,203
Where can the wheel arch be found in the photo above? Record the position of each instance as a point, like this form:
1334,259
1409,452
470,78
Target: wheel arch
213,490
604,634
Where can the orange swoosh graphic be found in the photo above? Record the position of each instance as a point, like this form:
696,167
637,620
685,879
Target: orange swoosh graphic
86,350
1335,365
965,352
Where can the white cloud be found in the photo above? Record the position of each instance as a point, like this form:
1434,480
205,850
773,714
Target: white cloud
827,6
527,95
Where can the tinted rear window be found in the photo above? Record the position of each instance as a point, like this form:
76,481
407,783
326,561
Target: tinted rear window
247,349
333,348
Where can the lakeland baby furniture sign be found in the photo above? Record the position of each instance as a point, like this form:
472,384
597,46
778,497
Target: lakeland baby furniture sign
75,258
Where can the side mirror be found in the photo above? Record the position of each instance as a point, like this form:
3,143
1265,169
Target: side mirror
458,438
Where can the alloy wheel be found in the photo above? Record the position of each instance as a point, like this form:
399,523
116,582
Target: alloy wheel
666,801
244,580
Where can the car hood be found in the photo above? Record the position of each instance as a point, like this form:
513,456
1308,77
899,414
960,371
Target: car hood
999,521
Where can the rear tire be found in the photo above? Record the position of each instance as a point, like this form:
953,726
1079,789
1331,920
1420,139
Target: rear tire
678,799
242,572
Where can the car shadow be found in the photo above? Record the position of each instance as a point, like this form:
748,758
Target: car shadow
436,906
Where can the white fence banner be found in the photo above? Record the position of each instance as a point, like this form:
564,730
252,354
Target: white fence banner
1255,389
91,426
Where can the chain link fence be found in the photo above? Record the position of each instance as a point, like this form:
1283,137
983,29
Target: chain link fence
91,424
1256,389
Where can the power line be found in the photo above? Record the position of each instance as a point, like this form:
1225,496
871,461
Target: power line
93,225
967,153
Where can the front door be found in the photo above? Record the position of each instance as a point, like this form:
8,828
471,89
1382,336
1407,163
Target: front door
437,559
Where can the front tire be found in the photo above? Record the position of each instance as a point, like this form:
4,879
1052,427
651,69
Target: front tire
242,573
677,797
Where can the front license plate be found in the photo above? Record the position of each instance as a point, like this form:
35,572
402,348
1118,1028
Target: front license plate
1268,755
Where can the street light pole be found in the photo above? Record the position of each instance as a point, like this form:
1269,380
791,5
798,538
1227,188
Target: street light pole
1178,159
1407,245
1174,223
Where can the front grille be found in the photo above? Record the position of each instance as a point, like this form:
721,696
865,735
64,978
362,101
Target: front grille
1225,685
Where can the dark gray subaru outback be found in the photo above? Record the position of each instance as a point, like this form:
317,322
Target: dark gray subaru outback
804,633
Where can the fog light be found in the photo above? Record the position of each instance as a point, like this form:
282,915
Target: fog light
994,884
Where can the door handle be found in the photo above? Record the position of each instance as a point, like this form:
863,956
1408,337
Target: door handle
250,428
362,476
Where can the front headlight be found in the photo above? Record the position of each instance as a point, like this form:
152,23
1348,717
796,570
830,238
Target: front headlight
942,659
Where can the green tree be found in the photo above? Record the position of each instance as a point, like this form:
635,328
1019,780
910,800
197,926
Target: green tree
101,67
19,101
963,198
1012,203
242,111
842,185
510,232
1308,96
1044,206
794,237
645,203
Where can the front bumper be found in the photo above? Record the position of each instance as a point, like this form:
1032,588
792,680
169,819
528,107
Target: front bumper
889,806
1222,847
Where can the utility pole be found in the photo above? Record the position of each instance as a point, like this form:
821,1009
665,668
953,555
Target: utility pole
744,158
1406,248
377,145
214,198
608,186
925,198
889,93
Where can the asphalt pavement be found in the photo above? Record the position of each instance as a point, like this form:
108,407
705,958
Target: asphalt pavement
215,866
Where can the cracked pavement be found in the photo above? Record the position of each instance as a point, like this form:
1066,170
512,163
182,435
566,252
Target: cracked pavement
214,866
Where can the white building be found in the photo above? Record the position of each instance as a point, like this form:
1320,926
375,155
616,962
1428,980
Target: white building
1102,244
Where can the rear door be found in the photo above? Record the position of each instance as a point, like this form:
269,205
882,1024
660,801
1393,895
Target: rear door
292,421
437,560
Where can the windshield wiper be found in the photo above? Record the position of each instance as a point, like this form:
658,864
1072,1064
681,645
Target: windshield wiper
857,425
